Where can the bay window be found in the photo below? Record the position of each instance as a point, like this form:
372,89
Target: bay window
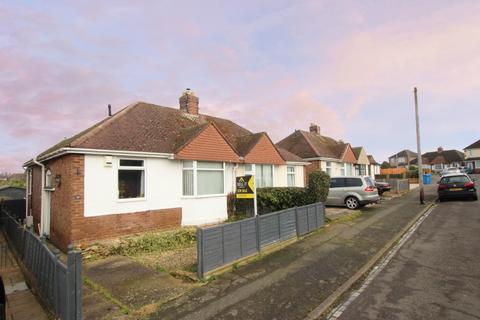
202,178
290,176
131,179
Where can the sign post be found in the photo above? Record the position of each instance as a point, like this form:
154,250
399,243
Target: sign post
246,189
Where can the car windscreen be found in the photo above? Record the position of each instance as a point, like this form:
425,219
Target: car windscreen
353,182
455,179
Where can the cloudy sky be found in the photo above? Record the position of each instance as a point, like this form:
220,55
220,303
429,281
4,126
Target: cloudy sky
274,66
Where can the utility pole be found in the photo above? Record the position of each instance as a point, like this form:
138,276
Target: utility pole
419,151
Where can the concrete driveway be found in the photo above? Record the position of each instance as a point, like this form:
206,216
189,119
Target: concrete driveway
435,275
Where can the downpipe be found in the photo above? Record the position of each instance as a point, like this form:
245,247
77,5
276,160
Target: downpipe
42,197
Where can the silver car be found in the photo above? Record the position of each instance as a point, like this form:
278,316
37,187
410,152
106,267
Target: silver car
352,192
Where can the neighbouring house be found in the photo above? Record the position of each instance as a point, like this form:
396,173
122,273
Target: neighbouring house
373,167
402,158
472,155
149,167
440,159
11,193
362,163
336,158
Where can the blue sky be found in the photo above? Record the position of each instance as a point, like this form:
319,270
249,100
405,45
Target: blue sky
273,66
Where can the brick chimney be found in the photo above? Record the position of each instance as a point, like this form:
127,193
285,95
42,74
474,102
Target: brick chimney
315,128
440,149
189,102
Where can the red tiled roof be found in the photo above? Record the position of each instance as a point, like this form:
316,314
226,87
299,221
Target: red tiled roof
310,145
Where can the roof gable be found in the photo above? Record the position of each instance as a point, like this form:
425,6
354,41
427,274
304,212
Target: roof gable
264,152
474,145
361,155
208,145
348,155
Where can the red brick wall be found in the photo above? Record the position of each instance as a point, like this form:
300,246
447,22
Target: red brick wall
264,152
313,166
67,221
349,156
209,145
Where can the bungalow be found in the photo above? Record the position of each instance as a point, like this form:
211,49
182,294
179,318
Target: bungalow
149,167
362,162
336,158
472,155
373,167
402,158
440,159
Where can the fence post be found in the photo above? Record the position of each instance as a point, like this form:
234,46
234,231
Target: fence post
257,229
296,221
78,285
74,284
200,253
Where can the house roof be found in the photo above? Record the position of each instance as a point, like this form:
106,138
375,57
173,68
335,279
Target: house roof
311,145
404,153
474,145
288,156
372,160
446,156
146,127
357,151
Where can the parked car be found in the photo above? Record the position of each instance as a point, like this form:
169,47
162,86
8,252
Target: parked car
382,187
352,192
466,170
449,171
453,186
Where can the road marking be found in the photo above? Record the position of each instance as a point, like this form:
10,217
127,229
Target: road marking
338,311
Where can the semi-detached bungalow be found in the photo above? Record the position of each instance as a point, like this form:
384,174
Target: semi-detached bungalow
149,167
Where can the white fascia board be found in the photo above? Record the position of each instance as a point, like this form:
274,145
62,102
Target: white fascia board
103,152
323,159
296,163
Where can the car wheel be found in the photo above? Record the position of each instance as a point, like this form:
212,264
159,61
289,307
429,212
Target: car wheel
352,203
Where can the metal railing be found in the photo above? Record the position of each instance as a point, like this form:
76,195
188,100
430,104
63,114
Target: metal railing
58,284
223,244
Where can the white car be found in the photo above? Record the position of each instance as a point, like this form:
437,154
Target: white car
449,171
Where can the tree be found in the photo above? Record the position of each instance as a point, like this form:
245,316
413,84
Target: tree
385,165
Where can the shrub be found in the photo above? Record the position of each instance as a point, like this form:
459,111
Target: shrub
385,165
274,199
318,186
396,176
380,176
412,173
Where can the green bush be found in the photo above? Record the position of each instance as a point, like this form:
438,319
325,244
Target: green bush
318,186
274,199
380,176
385,165
396,176
412,173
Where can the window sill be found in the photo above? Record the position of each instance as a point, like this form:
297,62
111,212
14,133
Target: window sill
132,199
205,196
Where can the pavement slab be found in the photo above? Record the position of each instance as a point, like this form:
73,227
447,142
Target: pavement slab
289,283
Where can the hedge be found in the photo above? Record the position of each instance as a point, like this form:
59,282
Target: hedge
275,199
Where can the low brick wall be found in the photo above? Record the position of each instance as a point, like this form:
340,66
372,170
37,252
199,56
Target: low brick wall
86,230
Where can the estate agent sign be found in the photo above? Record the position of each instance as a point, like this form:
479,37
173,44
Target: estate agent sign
245,187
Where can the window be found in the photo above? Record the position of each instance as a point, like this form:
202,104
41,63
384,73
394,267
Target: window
131,179
343,169
349,169
337,182
202,178
249,169
438,166
328,167
290,176
353,182
361,170
264,175
455,179
48,179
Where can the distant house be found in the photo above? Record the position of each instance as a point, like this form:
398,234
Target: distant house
334,157
149,167
362,163
472,155
440,159
373,167
402,158
11,193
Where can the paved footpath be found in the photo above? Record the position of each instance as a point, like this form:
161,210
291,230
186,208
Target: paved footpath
435,275
21,303
291,282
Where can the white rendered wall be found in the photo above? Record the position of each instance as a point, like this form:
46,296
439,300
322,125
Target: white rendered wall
163,190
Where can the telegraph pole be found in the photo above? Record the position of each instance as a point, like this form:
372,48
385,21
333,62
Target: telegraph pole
419,151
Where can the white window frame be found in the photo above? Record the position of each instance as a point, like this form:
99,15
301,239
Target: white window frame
195,180
142,168
328,168
294,174
343,170
254,167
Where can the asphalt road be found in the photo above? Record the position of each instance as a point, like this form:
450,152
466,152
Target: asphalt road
435,275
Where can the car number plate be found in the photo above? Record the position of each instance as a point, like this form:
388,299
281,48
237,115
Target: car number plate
456,189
